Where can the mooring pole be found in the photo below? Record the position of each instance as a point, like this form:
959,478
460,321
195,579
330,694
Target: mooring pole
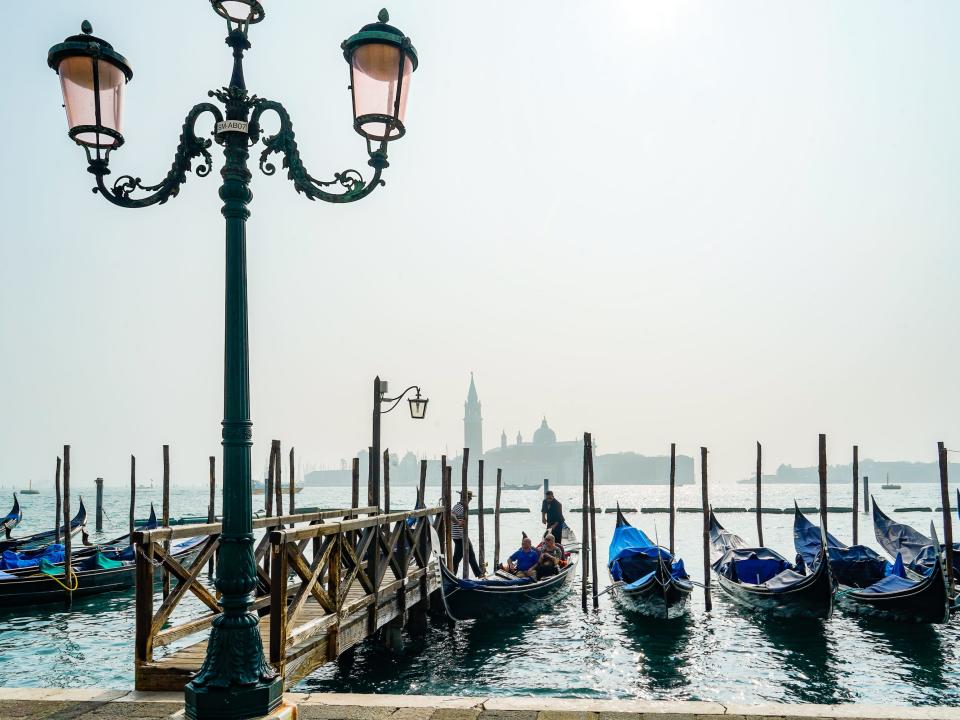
947,516
99,524
673,494
292,503
423,482
166,515
386,481
496,522
464,469
133,493
58,513
866,494
546,486
278,479
708,603
822,468
67,536
585,527
856,490
759,494
448,514
355,483
211,503
593,532
373,482
482,557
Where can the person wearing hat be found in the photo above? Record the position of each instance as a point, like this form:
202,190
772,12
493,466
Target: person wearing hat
457,514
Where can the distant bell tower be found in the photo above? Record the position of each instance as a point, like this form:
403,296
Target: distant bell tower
472,422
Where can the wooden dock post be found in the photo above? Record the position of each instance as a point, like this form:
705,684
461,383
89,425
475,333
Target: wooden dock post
373,483
593,532
99,522
355,483
856,489
277,554
423,482
166,516
866,494
133,492
822,472
585,528
947,516
482,557
278,479
673,494
496,522
58,513
707,601
448,514
211,503
291,503
464,469
386,481
67,535
759,494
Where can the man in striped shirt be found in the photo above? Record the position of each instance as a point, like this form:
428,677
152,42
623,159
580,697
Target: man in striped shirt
456,532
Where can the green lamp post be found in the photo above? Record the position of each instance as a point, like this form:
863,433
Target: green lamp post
235,680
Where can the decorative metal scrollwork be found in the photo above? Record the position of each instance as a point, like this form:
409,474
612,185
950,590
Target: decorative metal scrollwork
189,148
285,142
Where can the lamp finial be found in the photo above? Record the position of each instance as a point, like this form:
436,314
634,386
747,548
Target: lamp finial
384,16
86,28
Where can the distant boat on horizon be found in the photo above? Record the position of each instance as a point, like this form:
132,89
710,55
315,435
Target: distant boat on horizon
30,490
260,487
508,486
889,485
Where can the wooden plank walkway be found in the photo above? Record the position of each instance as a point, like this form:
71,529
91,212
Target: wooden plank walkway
313,634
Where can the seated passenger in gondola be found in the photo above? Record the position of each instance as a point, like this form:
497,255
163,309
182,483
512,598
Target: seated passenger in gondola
551,558
523,563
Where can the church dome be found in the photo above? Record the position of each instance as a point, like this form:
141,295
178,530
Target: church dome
544,435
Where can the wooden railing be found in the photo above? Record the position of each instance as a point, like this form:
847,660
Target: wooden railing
328,579
151,626
362,574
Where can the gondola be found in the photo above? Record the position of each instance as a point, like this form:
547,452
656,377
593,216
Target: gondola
12,518
761,578
95,574
497,597
647,579
118,548
870,585
915,547
42,538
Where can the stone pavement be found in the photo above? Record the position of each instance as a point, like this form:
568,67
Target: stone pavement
97,704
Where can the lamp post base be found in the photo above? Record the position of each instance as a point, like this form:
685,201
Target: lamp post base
263,700
285,711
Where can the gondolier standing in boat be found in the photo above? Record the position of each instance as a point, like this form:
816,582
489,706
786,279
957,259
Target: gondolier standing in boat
458,511
551,515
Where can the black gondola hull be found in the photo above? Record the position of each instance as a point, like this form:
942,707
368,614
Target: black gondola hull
927,602
499,601
810,598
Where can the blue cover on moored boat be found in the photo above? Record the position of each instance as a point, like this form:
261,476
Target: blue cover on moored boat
7,576
468,584
891,583
856,566
632,554
751,565
11,560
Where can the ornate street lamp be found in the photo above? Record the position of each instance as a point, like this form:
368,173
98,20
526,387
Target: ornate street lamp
418,411
235,680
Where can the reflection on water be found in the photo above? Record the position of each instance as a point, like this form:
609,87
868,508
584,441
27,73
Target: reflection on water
730,655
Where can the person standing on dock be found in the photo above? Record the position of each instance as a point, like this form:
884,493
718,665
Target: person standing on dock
551,515
458,512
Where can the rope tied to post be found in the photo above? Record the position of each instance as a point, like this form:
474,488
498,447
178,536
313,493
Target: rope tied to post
72,579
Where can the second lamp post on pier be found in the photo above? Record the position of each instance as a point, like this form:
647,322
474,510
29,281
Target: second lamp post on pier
418,411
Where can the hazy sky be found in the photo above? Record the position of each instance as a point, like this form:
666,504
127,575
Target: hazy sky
708,223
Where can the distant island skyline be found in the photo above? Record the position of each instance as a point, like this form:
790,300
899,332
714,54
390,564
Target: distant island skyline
899,471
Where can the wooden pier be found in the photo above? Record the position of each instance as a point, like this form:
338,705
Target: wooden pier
327,581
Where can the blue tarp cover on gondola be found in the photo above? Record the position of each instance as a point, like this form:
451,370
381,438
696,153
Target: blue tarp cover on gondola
11,560
751,565
857,566
632,550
